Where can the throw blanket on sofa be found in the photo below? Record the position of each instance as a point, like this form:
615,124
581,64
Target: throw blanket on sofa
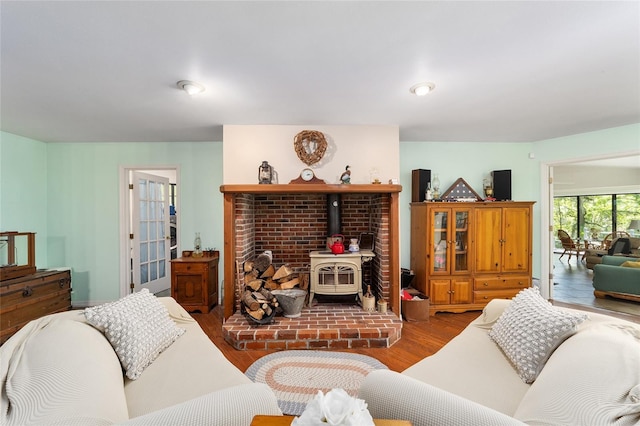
38,388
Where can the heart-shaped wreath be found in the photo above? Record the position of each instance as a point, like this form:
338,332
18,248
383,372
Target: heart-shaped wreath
310,146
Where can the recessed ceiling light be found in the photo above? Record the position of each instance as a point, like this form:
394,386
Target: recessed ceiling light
422,89
191,87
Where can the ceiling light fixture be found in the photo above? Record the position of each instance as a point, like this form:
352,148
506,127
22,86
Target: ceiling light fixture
191,87
422,89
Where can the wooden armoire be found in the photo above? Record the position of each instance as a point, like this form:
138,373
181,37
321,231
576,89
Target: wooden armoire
464,254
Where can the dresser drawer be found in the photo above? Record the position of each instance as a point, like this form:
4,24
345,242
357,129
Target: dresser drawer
30,297
14,293
501,283
190,268
488,295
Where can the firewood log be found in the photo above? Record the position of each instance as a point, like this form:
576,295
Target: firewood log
268,273
262,262
290,284
259,296
249,301
271,285
250,276
304,281
267,309
267,295
257,313
248,266
255,284
282,272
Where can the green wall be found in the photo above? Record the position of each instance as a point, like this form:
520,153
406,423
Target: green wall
84,219
68,193
23,189
624,139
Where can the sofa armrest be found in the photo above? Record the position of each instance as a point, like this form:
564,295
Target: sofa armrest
391,395
617,260
617,279
235,406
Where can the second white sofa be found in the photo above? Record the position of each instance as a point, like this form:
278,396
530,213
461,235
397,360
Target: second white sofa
592,378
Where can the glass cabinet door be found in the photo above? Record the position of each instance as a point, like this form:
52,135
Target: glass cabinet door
439,241
460,246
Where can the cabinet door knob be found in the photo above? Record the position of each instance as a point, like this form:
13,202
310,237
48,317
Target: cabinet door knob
28,291
485,284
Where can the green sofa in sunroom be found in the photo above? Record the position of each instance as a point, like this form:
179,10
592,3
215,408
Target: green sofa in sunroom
610,278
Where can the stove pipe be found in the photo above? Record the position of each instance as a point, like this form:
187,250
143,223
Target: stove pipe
334,219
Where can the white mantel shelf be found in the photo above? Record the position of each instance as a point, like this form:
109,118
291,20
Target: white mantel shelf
312,188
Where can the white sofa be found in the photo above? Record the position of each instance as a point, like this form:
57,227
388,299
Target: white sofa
592,378
61,370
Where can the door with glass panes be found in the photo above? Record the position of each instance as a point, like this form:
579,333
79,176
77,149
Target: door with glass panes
450,256
150,237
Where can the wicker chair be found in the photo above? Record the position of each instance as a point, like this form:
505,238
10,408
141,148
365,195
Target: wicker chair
569,245
606,243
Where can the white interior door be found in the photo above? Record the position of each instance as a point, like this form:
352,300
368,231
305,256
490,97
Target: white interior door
552,232
150,237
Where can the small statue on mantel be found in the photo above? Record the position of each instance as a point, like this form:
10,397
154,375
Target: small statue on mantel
346,176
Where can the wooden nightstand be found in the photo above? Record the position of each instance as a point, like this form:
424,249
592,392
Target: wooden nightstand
194,282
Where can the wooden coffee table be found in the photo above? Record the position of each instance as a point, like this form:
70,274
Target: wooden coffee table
261,420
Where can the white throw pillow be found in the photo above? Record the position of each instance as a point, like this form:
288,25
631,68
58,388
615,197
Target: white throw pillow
138,327
530,329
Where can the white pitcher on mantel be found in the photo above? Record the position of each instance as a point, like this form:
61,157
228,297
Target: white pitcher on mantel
353,246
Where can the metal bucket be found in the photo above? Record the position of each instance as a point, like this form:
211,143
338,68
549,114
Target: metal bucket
291,301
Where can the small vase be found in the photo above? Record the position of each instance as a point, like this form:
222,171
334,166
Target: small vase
354,247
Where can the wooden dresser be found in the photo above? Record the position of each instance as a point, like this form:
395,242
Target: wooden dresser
464,254
194,282
32,296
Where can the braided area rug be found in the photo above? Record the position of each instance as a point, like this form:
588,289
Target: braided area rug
296,376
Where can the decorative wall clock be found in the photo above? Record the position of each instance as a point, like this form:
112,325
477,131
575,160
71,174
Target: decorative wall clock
310,146
461,191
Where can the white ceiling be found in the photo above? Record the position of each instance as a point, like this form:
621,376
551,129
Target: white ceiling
504,70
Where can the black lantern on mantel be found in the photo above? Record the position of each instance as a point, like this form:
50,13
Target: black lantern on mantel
265,173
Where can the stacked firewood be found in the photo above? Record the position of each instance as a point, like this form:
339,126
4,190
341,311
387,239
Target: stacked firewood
260,278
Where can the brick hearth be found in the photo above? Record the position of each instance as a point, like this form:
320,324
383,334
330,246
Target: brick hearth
323,326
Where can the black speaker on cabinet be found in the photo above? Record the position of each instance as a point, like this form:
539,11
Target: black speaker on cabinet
501,185
420,178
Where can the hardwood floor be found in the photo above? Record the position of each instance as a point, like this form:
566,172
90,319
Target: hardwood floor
419,339
573,283
573,289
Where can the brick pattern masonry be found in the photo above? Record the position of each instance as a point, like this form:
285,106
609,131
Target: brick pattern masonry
293,225
323,326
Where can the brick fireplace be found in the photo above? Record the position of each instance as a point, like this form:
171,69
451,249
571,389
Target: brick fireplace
291,221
